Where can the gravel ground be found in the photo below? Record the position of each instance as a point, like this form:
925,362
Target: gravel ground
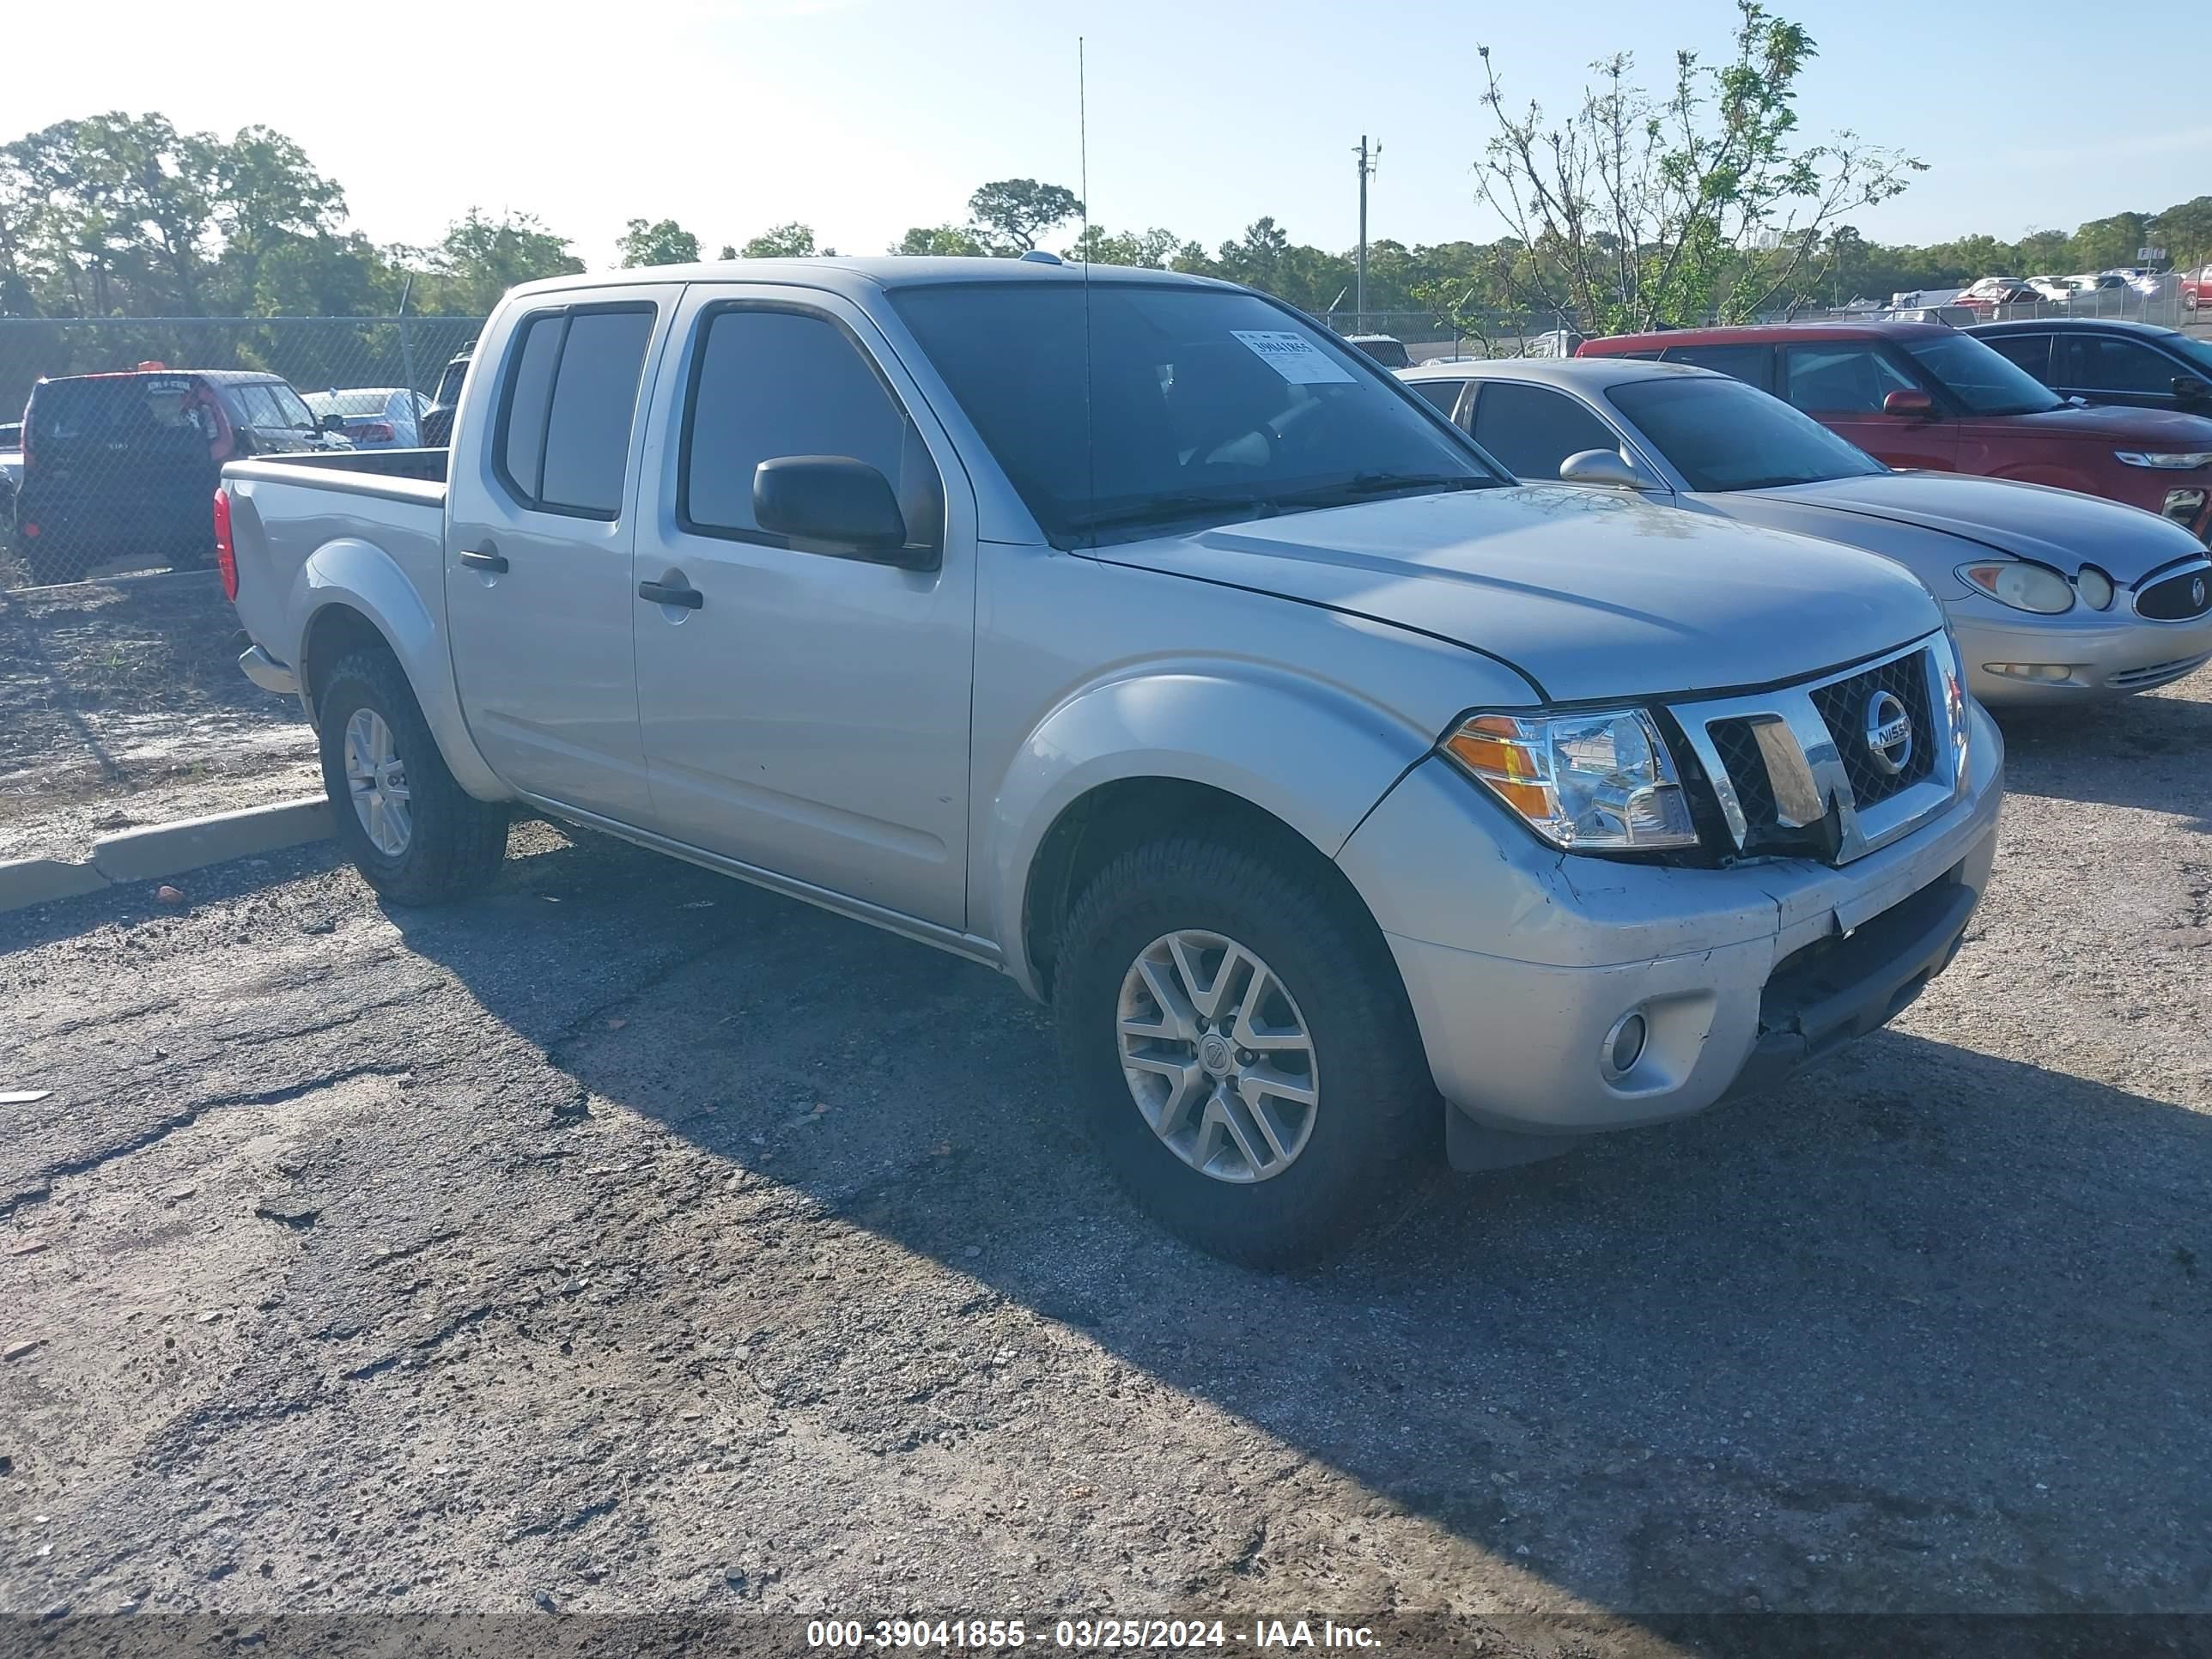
629,1240
121,703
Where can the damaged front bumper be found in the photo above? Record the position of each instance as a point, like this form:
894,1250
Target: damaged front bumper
1523,964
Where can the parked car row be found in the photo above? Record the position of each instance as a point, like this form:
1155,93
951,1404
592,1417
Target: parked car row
123,465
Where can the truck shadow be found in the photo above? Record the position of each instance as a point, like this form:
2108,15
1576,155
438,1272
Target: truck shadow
1926,1330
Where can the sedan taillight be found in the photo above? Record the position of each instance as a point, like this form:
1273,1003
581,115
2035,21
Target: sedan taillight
371,432
226,553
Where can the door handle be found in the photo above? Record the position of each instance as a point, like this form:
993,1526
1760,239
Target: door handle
487,557
663,594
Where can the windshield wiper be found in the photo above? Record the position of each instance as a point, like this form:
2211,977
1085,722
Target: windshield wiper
1163,509
1362,484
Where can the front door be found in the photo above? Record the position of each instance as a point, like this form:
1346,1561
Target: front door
806,711
538,582
1841,385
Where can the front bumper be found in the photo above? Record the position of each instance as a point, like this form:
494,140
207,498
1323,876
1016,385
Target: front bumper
2115,655
1519,962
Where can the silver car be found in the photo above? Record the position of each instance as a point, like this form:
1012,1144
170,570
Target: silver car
2054,596
374,417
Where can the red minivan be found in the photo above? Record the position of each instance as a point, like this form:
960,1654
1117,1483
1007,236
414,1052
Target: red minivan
1922,395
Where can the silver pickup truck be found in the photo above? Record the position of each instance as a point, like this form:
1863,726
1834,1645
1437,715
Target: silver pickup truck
1127,633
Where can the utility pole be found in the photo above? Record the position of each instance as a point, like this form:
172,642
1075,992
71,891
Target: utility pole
1368,158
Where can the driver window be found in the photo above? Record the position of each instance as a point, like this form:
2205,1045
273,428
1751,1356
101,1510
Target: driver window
1531,430
1842,378
2097,362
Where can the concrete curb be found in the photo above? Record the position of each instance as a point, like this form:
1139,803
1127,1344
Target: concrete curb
165,849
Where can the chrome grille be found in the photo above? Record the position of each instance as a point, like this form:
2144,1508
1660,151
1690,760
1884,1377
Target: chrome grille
1843,707
1795,773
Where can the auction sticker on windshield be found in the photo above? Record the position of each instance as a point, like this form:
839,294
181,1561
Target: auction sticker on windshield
1293,357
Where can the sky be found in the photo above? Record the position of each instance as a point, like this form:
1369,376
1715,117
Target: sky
864,116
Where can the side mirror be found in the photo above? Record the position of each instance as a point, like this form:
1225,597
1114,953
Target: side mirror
333,424
838,502
2188,389
1909,400
1607,469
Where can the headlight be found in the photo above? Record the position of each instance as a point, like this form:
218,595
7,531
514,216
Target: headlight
2022,586
2094,587
1587,782
2174,461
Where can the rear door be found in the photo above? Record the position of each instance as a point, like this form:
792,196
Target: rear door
1841,385
810,716
539,523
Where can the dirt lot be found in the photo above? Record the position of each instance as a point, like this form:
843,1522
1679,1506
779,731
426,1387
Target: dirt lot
632,1242
121,703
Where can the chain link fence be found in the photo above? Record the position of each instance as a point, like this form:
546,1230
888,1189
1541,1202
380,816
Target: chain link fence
118,471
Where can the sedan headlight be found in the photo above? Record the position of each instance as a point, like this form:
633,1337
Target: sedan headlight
2165,461
2022,586
2094,587
1601,781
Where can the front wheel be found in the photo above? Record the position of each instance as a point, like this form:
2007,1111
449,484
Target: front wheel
1237,1039
416,835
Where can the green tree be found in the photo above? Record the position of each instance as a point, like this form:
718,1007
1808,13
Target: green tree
2102,244
953,240
1646,207
1010,214
480,257
1148,250
658,242
2186,228
791,241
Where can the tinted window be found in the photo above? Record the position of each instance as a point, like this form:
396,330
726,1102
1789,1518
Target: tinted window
1723,434
1531,430
522,418
1185,403
290,411
260,407
1391,354
566,445
2101,362
1443,393
594,395
1984,382
152,411
2030,352
1752,364
1844,377
772,383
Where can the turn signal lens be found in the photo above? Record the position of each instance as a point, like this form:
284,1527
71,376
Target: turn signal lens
1601,781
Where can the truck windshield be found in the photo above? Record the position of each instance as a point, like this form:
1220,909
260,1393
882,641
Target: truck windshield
1978,377
1203,405
1721,434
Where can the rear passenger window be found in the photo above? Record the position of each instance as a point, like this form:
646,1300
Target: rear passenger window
1441,393
2098,362
2029,351
563,442
767,383
1752,364
1530,430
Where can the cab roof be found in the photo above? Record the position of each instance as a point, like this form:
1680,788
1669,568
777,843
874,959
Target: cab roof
885,271
1763,334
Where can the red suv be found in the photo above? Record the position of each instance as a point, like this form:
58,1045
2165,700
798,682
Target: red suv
1922,395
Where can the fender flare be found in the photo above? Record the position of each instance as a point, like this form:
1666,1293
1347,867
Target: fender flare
360,576
1314,756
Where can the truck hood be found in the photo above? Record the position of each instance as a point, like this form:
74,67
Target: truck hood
2057,527
1588,593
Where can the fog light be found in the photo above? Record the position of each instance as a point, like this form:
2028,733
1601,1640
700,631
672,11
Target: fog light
2184,505
1624,1045
2051,672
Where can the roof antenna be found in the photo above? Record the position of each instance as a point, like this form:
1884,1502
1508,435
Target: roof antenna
1090,253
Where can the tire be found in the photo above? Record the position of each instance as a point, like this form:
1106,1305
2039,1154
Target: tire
454,843
1375,1103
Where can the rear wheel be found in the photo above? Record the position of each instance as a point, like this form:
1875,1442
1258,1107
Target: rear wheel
417,837
50,562
1240,1046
